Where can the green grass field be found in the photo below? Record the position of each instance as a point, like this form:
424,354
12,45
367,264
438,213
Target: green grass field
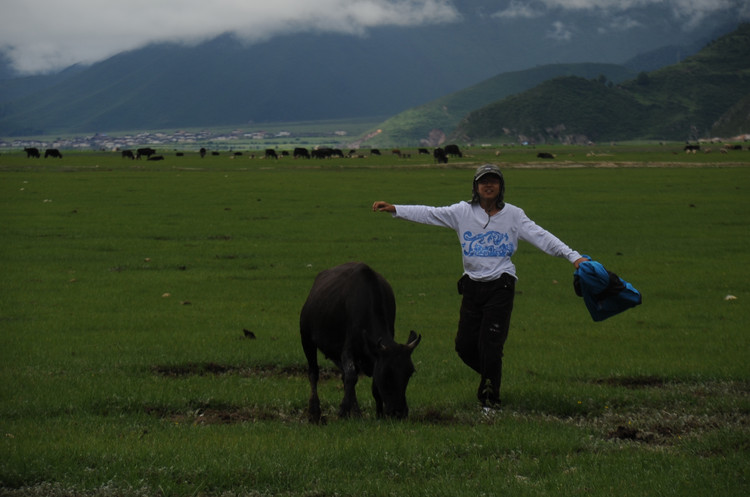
125,370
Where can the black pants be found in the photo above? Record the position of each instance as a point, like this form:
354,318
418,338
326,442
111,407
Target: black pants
482,330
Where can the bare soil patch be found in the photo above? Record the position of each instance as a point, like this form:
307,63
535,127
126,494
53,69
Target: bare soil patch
259,370
663,425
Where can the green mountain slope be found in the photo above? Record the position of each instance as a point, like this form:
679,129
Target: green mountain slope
303,77
427,124
735,121
679,102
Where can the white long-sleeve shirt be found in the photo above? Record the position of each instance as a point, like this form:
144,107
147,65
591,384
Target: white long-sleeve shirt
487,243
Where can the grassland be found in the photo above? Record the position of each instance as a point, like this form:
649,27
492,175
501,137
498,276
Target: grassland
127,287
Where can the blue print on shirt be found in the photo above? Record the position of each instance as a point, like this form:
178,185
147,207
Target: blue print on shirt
489,244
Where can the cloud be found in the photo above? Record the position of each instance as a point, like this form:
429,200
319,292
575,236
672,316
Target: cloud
42,35
614,15
560,32
619,23
519,9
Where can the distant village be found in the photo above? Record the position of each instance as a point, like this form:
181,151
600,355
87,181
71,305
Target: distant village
178,140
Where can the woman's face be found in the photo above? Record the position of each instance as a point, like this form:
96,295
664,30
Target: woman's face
488,187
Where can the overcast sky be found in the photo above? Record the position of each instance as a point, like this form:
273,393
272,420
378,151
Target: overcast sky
45,35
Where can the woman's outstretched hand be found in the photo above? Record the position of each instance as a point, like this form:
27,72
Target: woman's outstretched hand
381,206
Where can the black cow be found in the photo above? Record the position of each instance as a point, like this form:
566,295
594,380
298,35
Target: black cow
350,315
691,149
32,152
202,152
301,152
156,157
440,156
271,153
453,150
545,155
424,151
52,152
127,154
375,151
322,153
147,151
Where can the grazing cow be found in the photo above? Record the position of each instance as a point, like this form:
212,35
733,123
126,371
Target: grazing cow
322,153
156,157
350,315
271,154
691,149
440,156
545,155
146,151
396,152
127,154
301,152
52,152
32,152
453,150
214,153
375,151
424,151
202,152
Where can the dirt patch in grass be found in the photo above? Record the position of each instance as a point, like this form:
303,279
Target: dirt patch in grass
687,408
224,415
435,416
259,370
633,381
233,415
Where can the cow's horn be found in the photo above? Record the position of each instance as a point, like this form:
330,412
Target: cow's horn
413,340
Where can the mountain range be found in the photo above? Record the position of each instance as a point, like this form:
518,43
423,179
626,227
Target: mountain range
312,76
705,95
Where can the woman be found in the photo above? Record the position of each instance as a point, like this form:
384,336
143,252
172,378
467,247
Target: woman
489,230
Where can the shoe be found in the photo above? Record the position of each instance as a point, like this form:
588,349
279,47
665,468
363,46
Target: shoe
488,396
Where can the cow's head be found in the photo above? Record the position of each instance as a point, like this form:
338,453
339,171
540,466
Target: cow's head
391,375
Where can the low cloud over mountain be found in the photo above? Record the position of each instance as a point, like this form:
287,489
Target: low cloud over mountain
47,35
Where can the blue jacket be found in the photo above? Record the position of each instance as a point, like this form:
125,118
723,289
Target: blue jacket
604,293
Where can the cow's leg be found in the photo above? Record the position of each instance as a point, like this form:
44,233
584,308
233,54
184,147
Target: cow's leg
378,400
349,405
313,373
313,405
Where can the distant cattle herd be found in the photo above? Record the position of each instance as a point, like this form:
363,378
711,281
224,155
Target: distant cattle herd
440,155
50,152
